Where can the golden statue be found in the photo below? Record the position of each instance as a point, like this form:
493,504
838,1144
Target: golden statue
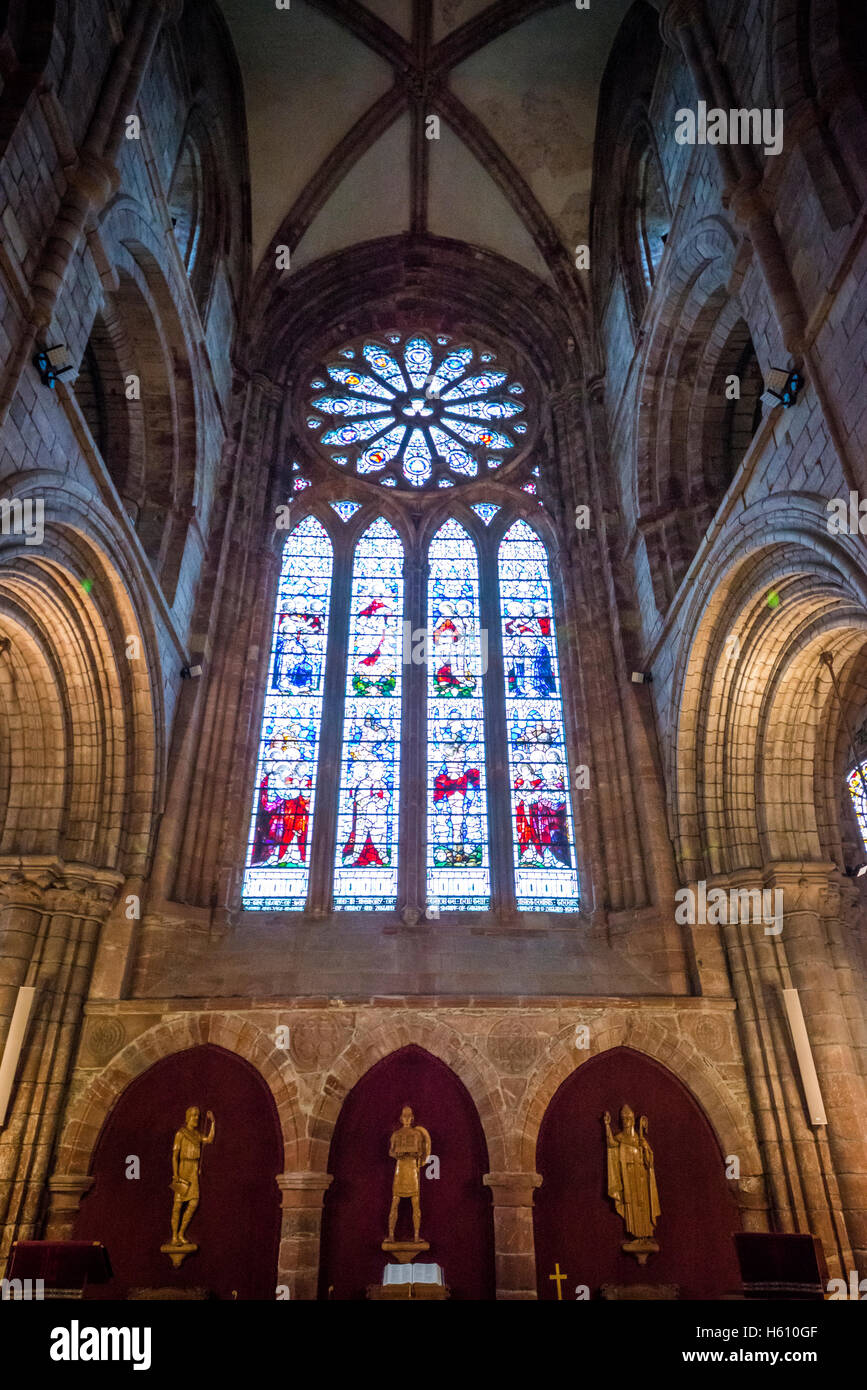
186,1166
632,1182
410,1147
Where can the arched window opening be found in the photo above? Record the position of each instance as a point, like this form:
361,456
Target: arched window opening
186,203
733,410
458,866
278,850
645,219
365,872
857,784
546,878
197,209
654,216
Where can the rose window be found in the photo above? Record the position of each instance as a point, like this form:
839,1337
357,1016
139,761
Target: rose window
418,410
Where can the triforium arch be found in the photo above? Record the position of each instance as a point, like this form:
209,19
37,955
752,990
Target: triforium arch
699,395
137,391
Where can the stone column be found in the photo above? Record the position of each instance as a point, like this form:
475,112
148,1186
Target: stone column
52,941
65,1193
514,1247
298,1261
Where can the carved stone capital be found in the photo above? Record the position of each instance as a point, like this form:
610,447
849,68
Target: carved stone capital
67,1190
512,1189
303,1189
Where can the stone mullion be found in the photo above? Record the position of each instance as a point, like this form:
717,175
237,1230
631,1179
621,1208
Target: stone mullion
514,1241
499,784
412,839
325,811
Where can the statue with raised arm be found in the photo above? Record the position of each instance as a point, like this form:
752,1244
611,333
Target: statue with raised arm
632,1182
186,1166
410,1147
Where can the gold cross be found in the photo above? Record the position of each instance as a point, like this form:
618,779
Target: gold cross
559,1277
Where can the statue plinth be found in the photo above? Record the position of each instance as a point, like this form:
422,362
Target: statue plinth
640,1249
178,1253
404,1251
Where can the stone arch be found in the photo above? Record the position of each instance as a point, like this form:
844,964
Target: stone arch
139,397
197,200
764,693
638,1031
698,1209
638,176
88,1110
83,712
690,436
441,1041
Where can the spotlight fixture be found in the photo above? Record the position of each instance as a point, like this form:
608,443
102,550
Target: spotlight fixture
782,387
51,363
190,673
642,677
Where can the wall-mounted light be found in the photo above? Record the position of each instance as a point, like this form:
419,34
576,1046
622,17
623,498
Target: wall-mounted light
782,387
51,363
642,677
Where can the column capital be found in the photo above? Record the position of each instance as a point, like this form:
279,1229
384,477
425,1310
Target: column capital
512,1189
67,1189
303,1189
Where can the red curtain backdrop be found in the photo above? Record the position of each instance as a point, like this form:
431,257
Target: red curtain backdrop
237,1222
575,1221
456,1213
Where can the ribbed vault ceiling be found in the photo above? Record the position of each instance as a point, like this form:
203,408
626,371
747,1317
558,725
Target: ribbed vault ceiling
337,96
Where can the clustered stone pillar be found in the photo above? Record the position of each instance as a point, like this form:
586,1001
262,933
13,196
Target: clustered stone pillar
298,1260
50,919
514,1245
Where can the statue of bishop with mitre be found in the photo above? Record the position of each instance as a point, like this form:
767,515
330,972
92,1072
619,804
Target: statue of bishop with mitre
632,1182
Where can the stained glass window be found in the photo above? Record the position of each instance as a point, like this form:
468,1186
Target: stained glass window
345,510
278,850
365,873
546,878
416,410
486,510
857,780
458,873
